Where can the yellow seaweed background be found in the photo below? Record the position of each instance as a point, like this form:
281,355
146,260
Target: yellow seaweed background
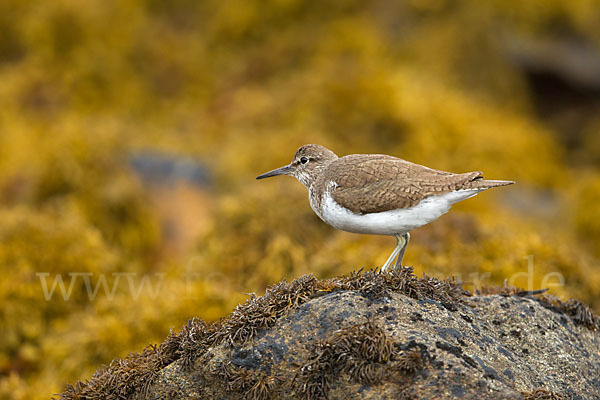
238,86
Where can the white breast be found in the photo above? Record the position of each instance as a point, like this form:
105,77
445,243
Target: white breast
394,221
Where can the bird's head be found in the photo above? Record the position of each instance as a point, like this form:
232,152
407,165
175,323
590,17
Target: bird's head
308,163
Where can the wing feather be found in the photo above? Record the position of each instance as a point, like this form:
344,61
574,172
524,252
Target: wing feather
381,183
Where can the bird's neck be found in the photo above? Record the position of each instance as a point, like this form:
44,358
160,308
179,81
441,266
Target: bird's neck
315,197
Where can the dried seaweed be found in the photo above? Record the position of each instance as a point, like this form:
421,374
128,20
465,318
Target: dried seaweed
542,394
193,339
580,313
123,377
410,360
359,351
262,312
377,284
507,290
250,384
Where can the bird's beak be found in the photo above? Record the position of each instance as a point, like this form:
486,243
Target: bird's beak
279,171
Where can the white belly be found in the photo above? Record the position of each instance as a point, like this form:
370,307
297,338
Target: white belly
394,221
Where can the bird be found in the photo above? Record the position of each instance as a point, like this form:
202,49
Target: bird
379,194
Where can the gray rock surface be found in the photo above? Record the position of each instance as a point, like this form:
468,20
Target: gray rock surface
488,347
370,335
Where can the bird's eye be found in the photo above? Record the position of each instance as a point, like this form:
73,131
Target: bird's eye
304,160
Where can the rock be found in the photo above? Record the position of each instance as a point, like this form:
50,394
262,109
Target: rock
371,336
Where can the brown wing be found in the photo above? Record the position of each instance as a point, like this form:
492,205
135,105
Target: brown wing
370,184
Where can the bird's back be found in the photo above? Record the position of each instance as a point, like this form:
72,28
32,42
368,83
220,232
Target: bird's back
371,183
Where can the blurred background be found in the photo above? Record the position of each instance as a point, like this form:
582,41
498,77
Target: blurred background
131,132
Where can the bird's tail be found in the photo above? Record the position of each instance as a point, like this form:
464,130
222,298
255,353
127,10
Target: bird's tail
480,183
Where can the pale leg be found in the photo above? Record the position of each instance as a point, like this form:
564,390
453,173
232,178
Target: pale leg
390,259
406,237
400,246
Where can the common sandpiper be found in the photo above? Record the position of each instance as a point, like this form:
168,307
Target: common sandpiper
379,194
